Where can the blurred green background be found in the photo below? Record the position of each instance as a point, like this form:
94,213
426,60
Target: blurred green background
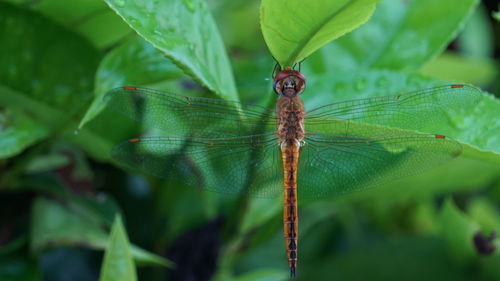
60,192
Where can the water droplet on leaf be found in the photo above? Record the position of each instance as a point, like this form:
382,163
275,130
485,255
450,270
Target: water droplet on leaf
120,3
382,82
189,5
360,84
340,87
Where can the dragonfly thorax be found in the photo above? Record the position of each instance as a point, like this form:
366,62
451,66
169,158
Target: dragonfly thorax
290,113
289,83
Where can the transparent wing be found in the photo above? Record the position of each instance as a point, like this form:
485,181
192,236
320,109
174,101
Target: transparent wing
415,110
335,164
190,116
248,164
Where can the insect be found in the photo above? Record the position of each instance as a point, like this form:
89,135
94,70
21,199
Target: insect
234,147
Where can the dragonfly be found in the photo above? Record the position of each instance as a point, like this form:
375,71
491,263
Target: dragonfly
240,148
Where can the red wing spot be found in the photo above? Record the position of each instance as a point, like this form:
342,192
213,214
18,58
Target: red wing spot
457,86
134,140
439,137
129,88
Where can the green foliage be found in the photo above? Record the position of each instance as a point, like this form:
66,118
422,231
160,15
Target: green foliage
61,192
264,275
190,38
450,66
293,29
458,230
118,263
78,222
18,132
496,15
136,61
399,36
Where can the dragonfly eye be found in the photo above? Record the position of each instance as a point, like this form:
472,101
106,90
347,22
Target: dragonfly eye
289,83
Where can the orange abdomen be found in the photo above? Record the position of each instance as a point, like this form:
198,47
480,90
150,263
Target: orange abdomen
290,157
290,112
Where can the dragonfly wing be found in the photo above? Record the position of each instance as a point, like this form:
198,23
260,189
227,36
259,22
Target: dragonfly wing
190,116
335,164
421,110
237,165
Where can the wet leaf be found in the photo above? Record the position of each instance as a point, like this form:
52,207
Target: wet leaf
91,19
187,34
38,70
295,29
475,124
76,224
401,35
462,174
136,62
35,80
118,263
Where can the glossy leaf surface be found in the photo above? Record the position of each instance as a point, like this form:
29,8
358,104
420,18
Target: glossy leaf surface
401,35
194,45
17,132
118,263
305,27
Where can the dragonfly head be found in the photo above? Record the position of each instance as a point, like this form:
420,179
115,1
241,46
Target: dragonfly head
289,83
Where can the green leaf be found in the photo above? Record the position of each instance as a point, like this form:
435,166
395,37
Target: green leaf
400,35
458,231
52,224
476,39
134,63
459,175
242,15
17,132
484,212
496,14
49,117
50,162
264,275
409,258
34,80
453,67
103,29
294,29
19,268
187,34
46,51
259,211
143,257
76,224
91,19
118,263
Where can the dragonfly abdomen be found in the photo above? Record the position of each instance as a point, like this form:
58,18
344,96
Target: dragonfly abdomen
290,157
290,112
